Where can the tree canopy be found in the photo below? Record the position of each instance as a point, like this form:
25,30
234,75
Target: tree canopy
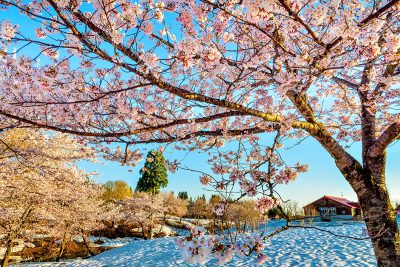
116,190
201,73
42,190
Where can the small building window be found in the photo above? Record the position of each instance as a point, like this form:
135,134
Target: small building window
327,210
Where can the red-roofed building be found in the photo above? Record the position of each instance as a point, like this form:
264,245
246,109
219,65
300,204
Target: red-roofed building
329,206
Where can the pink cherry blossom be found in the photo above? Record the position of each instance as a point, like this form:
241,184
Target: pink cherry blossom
237,73
7,30
265,203
261,259
147,28
205,179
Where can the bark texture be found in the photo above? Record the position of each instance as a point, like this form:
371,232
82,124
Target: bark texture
380,216
369,183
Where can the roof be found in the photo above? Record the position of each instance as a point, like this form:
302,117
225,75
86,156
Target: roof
340,200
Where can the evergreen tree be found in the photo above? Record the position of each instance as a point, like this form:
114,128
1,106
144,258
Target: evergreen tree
183,195
153,174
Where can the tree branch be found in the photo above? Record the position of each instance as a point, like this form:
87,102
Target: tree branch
345,82
379,12
301,21
343,159
235,132
391,133
128,132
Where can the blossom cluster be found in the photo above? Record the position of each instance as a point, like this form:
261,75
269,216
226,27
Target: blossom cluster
254,171
125,156
205,179
7,30
219,208
200,248
265,203
196,248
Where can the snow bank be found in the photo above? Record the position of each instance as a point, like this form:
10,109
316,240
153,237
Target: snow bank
108,242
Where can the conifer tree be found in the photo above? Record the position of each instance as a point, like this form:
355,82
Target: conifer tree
183,195
153,174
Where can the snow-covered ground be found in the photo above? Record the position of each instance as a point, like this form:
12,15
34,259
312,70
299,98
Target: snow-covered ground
295,247
108,242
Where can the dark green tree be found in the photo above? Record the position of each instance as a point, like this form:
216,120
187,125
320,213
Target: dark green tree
153,174
183,195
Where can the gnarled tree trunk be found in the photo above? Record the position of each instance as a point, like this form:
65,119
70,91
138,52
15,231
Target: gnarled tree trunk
380,217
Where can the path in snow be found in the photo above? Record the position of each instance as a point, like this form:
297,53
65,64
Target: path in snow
295,247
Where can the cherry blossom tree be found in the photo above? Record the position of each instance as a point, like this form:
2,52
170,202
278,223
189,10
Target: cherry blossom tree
175,205
145,210
41,189
204,72
237,174
81,215
245,216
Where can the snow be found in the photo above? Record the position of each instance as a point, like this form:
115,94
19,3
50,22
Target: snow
295,247
108,242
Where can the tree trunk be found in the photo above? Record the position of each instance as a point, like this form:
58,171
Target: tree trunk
380,217
150,232
86,242
60,253
13,235
143,231
8,252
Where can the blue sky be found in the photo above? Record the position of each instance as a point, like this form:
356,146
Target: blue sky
323,178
